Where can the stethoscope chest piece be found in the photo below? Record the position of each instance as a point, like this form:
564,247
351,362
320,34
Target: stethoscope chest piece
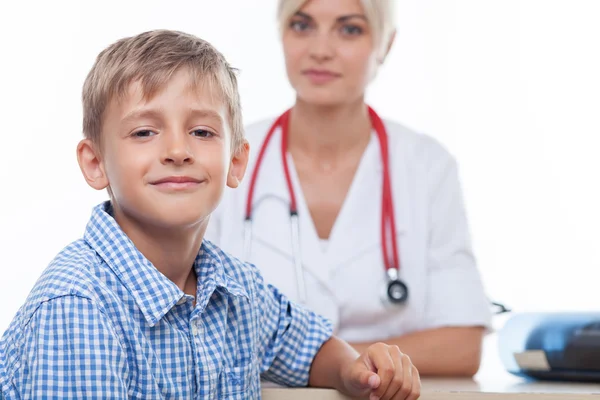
397,292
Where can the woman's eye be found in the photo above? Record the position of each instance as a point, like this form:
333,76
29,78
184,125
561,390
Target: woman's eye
144,133
202,133
299,26
352,30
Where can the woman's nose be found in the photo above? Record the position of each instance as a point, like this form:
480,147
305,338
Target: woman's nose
322,47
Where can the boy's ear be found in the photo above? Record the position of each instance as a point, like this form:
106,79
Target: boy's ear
238,165
88,157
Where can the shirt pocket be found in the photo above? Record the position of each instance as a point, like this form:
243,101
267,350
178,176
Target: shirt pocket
240,382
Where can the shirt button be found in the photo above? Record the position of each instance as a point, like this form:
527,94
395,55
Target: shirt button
194,330
181,301
233,378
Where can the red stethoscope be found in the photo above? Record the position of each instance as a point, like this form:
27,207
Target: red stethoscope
396,291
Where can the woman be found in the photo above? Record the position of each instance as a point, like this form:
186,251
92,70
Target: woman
363,188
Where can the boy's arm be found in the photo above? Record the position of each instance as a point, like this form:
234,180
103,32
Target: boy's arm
381,372
327,365
290,336
297,349
71,351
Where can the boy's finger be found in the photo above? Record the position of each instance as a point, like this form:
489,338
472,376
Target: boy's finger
407,387
384,365
401,383
366,380
416,385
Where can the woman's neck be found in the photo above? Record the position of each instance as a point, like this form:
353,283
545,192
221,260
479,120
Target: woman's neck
328,132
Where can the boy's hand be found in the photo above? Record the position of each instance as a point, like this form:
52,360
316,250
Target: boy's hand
384,373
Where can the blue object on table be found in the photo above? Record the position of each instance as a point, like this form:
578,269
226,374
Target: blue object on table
552,346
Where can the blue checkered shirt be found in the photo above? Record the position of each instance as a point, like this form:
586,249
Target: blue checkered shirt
103,323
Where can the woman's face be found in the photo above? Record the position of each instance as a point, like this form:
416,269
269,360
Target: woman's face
329,52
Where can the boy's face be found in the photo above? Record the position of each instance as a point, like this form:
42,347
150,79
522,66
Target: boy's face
166,158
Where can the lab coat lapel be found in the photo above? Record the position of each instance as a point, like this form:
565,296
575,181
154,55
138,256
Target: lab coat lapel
313,258
358,226
271,221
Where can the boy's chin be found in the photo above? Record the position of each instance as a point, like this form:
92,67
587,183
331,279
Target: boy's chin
181,221
186,215
176,219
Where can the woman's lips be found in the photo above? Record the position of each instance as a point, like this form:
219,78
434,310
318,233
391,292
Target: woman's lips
320,76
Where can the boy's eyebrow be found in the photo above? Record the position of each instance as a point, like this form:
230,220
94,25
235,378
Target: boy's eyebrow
206,113
343,18
156,114
138,114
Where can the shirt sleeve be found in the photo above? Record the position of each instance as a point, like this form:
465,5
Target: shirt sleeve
291,337
68,351
455,293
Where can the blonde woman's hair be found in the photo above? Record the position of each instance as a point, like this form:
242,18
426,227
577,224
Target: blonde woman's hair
379,13
152,58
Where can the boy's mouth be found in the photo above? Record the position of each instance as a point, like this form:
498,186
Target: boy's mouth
177,183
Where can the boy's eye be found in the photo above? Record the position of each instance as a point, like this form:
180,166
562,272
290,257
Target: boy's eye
299,26
202,133
144,133
352,30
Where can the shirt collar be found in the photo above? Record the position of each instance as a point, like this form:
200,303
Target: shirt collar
153,292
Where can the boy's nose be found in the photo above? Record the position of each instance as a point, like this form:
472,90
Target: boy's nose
177,152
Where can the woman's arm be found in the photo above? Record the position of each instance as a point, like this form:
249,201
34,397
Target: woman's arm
449,340
441,351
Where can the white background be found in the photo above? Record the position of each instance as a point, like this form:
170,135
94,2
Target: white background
511,87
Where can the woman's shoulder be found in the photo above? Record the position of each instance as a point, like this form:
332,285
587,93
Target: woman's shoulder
256,131
404,140
415,144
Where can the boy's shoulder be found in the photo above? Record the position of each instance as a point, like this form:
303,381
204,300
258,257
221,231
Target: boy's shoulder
245,274
73,272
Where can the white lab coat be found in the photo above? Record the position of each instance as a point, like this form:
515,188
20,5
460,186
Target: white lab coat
345,276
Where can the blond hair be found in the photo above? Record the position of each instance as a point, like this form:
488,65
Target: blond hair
379,13
152,58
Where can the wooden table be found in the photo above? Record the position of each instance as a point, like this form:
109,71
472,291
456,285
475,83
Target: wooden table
492,382
463,389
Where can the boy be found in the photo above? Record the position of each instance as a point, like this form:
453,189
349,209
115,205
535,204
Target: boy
142,307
